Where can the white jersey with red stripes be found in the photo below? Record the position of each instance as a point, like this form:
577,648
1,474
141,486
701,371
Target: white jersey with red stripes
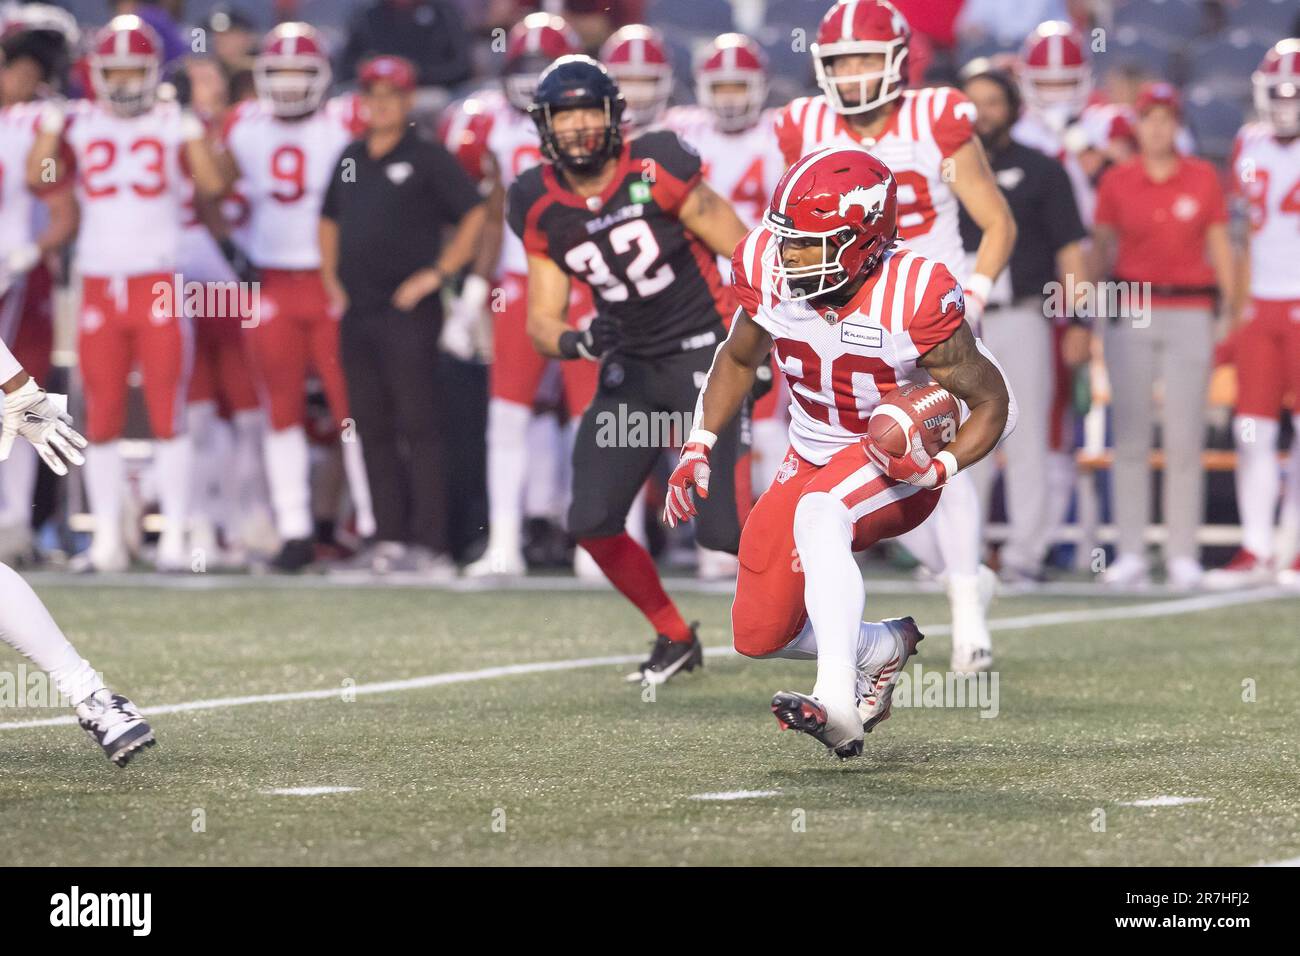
742,167
926,127
285,167
1266,173
492,138
19,208
840,362
131,187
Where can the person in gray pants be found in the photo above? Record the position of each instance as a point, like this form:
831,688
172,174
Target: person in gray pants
1162,222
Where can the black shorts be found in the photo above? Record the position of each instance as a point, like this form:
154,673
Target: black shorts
642,408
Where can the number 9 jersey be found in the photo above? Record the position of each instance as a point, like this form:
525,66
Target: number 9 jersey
648,271
284,167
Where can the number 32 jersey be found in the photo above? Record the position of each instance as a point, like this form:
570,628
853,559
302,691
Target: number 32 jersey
649,272
284,167
925,129
841,362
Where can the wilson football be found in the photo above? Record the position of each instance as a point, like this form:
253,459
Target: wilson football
929,410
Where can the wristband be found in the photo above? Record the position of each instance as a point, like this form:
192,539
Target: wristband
949,461
700,436
52,119
571,346
979,287
474,293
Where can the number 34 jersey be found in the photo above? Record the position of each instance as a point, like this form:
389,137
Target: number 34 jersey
841,362
284,167
649,272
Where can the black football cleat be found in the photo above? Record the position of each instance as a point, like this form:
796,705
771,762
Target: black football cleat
295,554
668,658
808,716
115,724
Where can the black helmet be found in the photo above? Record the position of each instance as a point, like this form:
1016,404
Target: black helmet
575,82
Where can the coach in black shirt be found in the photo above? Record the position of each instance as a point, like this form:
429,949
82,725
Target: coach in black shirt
1035,338
383,262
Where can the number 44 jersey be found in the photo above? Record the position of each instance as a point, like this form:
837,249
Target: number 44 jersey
649,272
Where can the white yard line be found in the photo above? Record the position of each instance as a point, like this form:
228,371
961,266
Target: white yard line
1155,609
307,791
1294,861
1164,801
735,795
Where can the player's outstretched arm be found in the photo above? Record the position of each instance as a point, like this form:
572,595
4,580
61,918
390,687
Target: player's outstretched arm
711,217
43,162
548,303
729,380
977,190
959,366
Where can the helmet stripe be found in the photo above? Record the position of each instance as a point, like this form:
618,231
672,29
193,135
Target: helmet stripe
846,22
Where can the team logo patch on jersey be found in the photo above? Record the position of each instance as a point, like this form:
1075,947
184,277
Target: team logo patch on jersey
867,336
399,173
789,468
952,297
639,192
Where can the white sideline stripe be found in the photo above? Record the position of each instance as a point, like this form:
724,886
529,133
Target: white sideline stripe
1155,609
1294,861
307,791
735,795
1164,801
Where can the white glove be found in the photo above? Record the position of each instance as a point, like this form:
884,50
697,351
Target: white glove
191,127
53,117
18,263
458,336
29,412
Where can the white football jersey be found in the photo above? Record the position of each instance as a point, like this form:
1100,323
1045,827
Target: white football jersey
840,362
743,168
285,167
1033,131
18,206
131,187
490,137
926,128
1266,173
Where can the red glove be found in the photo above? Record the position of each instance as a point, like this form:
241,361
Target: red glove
692,471
917,467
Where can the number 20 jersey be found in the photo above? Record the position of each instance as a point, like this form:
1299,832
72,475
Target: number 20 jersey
284,167
841,362
649,272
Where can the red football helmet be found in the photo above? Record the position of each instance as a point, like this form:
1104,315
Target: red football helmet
848,199
534,43
292,71
127,43
1277,88
1055,76
637,58
861,28
733,58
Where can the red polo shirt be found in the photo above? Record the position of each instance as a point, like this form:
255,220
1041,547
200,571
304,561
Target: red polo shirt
1161,225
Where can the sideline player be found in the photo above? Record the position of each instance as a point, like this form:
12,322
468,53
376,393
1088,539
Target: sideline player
851,318
635,222
112,721
927,139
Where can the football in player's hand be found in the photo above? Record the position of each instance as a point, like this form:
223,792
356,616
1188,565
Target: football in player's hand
928,409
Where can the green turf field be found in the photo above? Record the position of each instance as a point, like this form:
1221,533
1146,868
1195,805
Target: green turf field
573,766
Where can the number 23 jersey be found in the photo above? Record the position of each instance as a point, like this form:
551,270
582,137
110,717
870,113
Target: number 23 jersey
648,271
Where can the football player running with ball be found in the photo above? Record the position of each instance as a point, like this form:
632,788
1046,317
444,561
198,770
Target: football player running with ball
851,318
111,720
636,222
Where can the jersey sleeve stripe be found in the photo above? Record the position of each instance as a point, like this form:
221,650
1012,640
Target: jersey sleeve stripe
920,285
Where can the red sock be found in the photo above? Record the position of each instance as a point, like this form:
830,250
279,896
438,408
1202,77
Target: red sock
630,568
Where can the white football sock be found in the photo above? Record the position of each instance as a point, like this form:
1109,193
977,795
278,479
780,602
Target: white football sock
875,648
835,596
175,462
1289,519
207,468
507,463
1258,482
26,626
542,494
17,486
105,475
289,474
250,496
354,464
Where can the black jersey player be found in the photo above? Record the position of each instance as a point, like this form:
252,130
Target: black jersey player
635,221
